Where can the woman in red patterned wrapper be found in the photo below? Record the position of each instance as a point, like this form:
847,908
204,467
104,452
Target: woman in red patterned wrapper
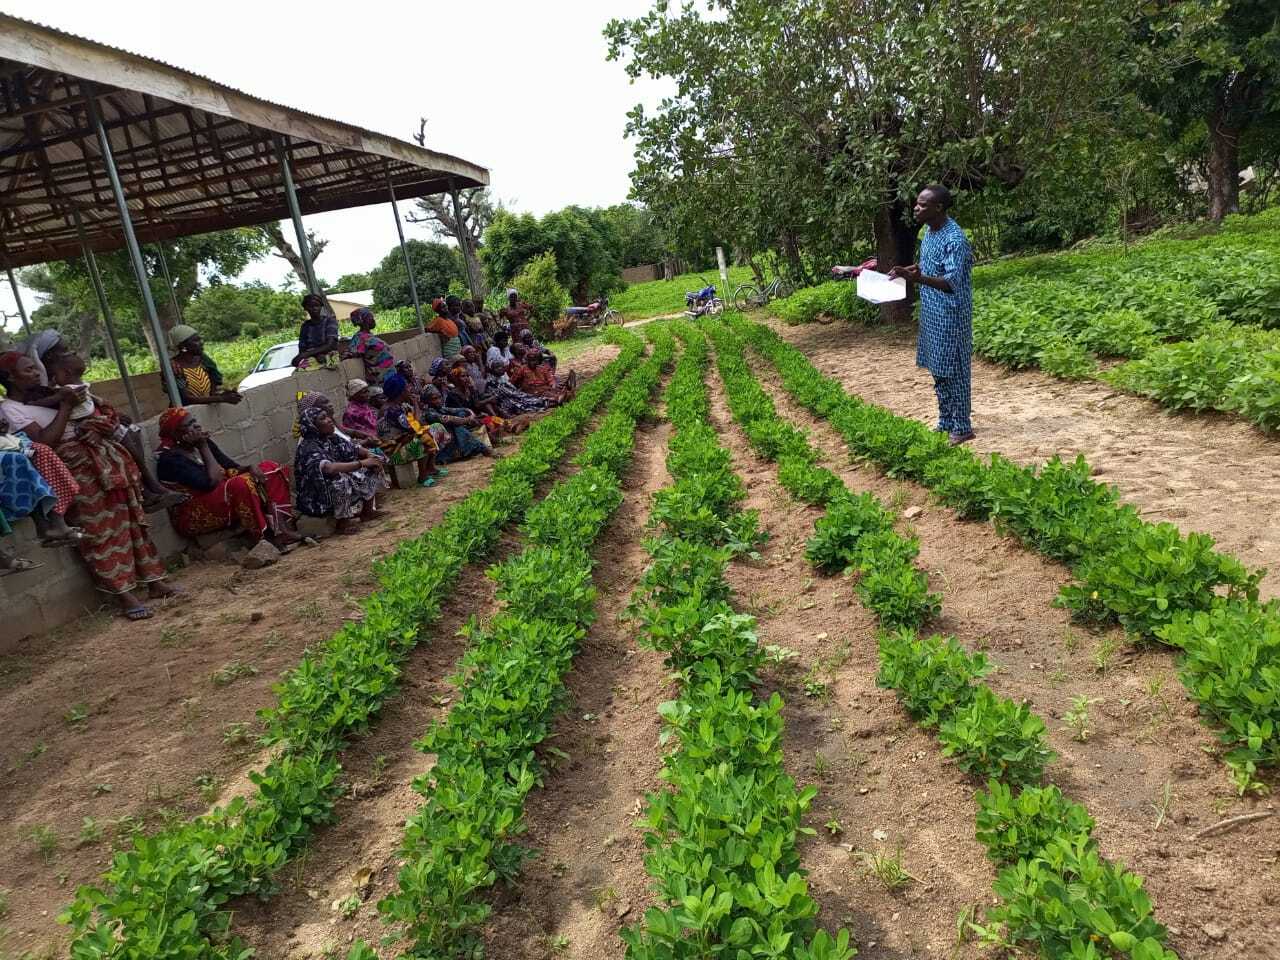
108,507
223,494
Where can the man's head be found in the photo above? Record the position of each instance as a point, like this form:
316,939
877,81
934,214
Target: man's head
932,205
501,338
468,308
453,304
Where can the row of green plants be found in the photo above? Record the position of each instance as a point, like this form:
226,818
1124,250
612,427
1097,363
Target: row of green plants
463,838
722,836
1055,891
166,896
1149,577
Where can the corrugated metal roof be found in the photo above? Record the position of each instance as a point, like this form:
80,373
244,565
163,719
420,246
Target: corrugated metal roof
194,155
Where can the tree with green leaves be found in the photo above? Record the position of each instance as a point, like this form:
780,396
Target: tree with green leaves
192,261
805,127
1222,98
586,243
435,265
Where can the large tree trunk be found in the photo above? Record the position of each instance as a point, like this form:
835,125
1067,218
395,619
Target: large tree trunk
895,247
1224,167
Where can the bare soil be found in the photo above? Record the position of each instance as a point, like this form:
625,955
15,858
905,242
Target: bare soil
1145,757
1206,472
111,725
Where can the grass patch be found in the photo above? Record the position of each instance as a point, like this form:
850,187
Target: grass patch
657,298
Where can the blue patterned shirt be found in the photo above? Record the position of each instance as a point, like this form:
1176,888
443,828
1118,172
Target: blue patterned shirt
946,319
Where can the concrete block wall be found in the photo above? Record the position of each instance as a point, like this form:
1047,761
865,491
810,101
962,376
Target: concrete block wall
258,428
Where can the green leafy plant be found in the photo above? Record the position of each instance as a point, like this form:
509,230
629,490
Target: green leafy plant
1077,718
997,739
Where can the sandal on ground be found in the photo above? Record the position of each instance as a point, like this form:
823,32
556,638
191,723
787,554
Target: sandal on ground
956,439
429,482
18,565
137,613
440,472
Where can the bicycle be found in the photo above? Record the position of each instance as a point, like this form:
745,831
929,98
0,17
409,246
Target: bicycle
748,296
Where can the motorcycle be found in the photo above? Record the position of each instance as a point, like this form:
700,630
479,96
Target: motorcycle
594,314
704,302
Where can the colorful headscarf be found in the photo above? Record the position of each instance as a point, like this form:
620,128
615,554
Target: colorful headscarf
355,386
181,333
438,366
362,316
171,422
438,306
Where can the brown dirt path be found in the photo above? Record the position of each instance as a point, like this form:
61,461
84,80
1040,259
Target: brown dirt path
161,738
879,777
1217,895
589,877
1205,472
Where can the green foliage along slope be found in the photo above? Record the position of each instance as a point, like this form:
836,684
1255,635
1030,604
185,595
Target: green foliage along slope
1056,892
165,897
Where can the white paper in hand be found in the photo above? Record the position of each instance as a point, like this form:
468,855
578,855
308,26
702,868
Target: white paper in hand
878,288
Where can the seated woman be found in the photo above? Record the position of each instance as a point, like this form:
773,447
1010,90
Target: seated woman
511,400
60,367
33,483
459,422
360,416
335,477
378,359
535,377
403,437
109,507
199,379
223,494
501,349
531,344
443,327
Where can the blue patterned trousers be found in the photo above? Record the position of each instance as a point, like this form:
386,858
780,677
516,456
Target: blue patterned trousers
954,401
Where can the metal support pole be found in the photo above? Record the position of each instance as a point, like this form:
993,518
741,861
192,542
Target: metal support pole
173,295
17,298
135,252
108,318
464,241
291,196
408,265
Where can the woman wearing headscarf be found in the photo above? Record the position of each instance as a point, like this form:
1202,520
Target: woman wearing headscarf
512,401
403,435
335,477
222,493
33,483
443,327
371,349
109,509
459,422
199,379
360,415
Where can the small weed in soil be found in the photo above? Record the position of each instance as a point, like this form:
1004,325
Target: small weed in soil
233,671
46,841
90,832
886,868
77,715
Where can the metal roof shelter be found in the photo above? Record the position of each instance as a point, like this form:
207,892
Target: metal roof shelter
103,149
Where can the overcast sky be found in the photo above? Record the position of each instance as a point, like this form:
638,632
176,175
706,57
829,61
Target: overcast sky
521,88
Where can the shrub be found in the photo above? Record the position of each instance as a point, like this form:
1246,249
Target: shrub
220,312
933,676
540,288
1020,826
836,298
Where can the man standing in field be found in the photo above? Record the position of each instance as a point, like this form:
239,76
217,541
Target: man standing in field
944,278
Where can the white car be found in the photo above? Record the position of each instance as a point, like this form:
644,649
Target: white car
276,364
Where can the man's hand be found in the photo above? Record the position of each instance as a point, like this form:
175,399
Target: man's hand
909,271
